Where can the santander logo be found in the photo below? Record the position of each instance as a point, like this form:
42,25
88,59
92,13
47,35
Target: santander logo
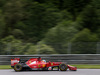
14,61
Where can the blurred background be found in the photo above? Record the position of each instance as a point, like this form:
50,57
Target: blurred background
30,27
69,29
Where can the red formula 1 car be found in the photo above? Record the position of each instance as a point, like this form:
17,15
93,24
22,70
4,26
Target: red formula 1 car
39,64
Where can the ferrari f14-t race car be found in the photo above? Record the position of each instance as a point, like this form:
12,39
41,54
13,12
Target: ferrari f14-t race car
39,64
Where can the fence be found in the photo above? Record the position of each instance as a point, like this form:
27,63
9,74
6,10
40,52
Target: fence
50,48
70,59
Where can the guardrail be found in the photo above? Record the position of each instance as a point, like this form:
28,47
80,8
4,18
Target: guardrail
69,58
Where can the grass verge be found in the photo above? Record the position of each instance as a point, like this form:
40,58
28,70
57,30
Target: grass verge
87,66
5,67
79,66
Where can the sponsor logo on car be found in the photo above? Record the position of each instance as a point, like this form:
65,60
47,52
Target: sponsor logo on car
43,65
39,65
29,61
14,61
34,66
51,63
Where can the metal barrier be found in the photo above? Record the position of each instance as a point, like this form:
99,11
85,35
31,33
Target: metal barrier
69,58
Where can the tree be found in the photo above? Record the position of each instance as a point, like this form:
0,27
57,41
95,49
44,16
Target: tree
66,16
2,24
41,49
31,50
18,33
84,42
61,34
75,6
42,17
2,3
12,46
8,44
13,12
90,18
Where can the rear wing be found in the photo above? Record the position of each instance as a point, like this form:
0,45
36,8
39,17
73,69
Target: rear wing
15,61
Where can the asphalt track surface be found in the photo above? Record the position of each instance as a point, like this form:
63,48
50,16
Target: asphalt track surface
78,72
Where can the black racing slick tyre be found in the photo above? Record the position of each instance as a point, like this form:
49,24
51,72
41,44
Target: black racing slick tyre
63,67
18,67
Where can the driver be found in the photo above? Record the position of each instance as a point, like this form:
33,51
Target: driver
44,61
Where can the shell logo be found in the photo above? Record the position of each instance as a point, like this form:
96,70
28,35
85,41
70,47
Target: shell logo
43,65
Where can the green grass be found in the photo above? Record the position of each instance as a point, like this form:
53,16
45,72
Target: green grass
79,66
5,67
87,66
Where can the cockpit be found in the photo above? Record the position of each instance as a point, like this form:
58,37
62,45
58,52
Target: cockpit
44,61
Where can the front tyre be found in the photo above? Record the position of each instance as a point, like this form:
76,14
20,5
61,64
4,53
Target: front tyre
18,67
63,67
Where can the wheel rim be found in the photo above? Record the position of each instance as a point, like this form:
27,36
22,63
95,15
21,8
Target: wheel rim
63,67
18,67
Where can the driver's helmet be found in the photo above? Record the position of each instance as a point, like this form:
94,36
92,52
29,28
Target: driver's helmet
44,61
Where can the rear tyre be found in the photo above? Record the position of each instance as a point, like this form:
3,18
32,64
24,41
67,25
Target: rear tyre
63,67
18,67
